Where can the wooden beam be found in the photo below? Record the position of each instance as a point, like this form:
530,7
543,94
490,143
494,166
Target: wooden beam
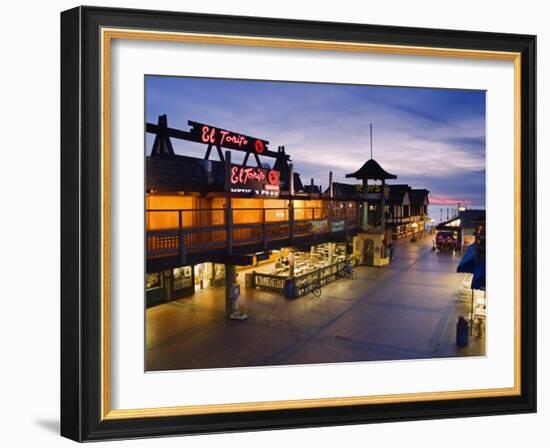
208,151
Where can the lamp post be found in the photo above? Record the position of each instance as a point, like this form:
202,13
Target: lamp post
414,226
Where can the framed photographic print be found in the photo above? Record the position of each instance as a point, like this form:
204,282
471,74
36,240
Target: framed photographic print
274,223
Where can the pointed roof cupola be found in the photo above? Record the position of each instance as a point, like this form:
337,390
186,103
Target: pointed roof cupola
371,169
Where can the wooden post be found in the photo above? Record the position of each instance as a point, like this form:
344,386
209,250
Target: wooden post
264,230
346,211
383,205
229,279
291,220
291,202
291,179
472,314
229,268
330,185
365,214
312,228
227,171
181,238
228,205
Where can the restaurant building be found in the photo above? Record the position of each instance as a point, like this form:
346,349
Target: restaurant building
214,223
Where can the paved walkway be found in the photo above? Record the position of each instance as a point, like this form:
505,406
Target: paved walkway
407,310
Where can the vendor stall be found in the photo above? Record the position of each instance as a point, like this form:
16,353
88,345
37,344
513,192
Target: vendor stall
294,270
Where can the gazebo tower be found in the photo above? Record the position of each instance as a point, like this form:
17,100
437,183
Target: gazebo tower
373,216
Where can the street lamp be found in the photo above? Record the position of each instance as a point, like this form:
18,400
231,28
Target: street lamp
414,226
432,221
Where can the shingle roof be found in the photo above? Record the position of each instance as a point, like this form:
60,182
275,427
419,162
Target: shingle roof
345,191
298,185
397,193
371,169
470,218
312,189
417,196
181,173
281,165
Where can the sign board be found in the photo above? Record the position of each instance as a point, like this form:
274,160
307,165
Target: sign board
374,191
338,225
254,181
319,225
212,135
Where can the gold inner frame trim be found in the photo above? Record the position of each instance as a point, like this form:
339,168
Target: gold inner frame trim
107,35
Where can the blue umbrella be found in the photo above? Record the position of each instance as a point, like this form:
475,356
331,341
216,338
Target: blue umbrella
467,264
478,281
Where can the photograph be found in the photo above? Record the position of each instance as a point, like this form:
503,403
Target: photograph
299,223
274,223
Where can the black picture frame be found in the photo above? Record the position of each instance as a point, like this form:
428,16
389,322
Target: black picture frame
81,210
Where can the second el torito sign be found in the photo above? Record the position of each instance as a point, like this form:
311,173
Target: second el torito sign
254,181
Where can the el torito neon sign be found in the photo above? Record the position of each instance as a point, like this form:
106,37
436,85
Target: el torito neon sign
242,178
258,181
212,135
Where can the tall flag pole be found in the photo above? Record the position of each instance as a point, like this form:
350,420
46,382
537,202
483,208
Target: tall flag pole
371,140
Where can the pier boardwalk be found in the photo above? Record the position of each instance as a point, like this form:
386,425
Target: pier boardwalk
407,310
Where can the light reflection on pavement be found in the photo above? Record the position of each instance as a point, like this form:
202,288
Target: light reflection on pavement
407,310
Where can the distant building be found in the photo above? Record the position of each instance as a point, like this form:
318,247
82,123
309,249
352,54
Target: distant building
464,225
405,206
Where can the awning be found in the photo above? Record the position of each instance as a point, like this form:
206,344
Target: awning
478,281
467,264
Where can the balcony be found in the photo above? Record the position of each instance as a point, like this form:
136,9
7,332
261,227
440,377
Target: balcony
406,219
189,236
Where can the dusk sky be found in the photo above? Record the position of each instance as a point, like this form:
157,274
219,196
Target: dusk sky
429,138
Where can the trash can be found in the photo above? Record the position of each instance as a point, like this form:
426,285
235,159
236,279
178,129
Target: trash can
462,332
249,280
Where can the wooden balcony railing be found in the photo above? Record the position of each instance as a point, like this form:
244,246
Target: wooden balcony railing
405,219
186,231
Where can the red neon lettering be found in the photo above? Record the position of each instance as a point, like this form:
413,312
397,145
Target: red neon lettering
238,140
224,134
208,135
259,146
234,176
240,175
204,136
228,137
273,177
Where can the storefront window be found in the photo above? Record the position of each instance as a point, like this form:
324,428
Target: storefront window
219,272
153,280
182,277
